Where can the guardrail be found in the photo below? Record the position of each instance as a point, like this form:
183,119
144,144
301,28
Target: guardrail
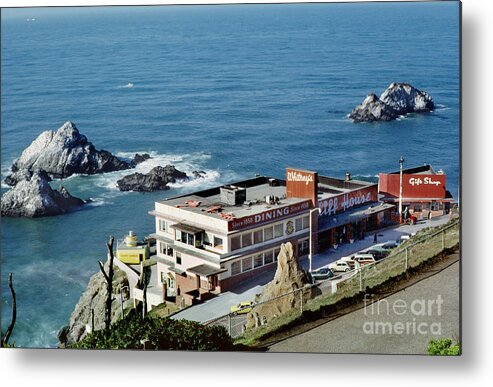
277,311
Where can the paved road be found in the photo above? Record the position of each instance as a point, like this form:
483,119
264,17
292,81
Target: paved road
363,331
247,290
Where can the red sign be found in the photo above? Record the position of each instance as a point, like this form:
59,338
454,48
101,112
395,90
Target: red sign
301,184
343,202
414,185
268,216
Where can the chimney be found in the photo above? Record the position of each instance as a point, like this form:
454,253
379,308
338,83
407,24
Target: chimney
348,176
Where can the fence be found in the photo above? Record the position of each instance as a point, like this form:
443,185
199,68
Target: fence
273,313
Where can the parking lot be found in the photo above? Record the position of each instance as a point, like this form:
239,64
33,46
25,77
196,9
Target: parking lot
246,290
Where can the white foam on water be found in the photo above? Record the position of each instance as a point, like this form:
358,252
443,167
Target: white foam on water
129,85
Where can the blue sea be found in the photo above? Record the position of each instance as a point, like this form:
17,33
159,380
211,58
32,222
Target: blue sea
233,90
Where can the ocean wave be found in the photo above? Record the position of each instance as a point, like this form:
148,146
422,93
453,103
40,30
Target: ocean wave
129,85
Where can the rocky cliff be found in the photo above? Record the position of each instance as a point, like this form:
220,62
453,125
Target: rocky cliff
94,298
289,277
397,100
33,197
64,153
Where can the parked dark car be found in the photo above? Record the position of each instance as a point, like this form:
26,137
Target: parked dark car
321,274
377,254
389,245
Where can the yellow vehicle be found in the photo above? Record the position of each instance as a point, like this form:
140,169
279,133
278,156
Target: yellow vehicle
242,307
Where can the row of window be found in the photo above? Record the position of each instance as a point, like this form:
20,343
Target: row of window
254,262
167,250
266,234
196,240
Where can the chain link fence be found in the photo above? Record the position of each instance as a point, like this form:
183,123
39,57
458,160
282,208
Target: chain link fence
275,312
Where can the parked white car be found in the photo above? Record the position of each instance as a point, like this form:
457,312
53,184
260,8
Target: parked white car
340,266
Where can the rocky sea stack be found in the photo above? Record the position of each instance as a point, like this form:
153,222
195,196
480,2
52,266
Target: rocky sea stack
289,277
397,100
64,153
34,197
157,179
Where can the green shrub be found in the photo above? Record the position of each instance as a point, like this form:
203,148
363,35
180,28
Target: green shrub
443,347
161,333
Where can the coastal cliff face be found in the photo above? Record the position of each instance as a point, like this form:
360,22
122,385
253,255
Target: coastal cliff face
397,100
34,197
64,153
94,297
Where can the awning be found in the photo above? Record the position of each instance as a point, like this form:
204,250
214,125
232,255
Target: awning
352,216
187,228
205,270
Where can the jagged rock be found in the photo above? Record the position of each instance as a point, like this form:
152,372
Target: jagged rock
64,153
372,109
289,277
199,174
397,100
94,297
157,179
34,197
140,158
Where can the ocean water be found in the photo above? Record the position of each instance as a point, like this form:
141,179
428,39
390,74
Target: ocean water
234,90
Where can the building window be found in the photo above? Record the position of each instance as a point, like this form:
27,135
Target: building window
298,224
246,239
163,277
166,249
306,222
184,237
258,236
235,268
236,243
163,225
177,235
258,260
191,239
278,230
268,233
246,264
178,258
207,240
218,243
268,257
276,253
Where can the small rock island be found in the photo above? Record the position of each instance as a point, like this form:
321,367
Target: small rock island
397,100
33,197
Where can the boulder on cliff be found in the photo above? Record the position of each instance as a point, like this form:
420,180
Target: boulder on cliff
289,277
33,197
157,179
397,100
64,153
94,297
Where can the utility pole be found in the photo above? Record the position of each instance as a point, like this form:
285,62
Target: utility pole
310,254
401,162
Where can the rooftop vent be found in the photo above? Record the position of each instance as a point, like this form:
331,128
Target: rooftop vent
233,195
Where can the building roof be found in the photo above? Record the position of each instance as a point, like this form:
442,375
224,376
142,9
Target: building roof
426,169
209,202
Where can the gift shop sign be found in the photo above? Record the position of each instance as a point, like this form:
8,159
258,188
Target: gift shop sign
268,216
343,202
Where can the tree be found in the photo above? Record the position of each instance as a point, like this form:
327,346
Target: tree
109,281
5,339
